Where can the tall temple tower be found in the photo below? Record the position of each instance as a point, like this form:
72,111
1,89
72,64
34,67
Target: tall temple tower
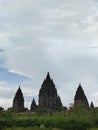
80,97
48,96
18,102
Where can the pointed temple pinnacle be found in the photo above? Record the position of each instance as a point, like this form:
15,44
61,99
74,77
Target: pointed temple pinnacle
79,84
80,97
48,76
33,100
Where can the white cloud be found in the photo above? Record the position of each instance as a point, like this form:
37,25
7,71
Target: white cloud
56,36
6,95
5,103
94,98
3,82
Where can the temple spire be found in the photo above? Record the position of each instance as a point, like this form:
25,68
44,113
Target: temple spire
48,96
48,76
91,105
33,105
80,97
18,102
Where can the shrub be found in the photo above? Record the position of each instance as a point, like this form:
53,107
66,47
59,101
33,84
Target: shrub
41,111
26,123
2,124
49,124
73,125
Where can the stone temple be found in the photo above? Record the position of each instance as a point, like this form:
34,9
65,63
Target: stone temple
18,102
33,106
48,96
80,97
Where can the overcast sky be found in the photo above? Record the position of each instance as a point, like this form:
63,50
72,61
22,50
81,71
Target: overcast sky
40,36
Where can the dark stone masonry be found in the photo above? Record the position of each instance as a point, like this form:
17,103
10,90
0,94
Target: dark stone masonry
33,106
80,97
92,105
18,102
49,98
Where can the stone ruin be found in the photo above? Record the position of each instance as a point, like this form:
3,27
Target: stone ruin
80,97
49,98
18,102
33,106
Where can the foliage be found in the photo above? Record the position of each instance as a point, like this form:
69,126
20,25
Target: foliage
29,128
74,119
41,111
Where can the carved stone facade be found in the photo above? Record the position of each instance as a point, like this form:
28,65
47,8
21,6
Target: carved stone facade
80,97
48,96
18,102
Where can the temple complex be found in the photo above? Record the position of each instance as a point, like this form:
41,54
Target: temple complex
48,98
